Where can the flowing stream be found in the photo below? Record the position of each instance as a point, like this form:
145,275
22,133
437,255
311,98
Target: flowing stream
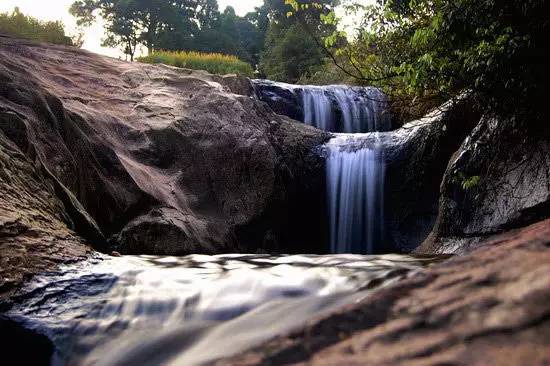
145,310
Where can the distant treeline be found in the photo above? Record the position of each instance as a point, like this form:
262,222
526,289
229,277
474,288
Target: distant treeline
20,25
277,45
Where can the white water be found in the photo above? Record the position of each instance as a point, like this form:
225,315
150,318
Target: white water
192,310
334,108
355,190
362,109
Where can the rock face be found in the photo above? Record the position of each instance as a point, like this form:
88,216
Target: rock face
284,101
166,161
489,307
35,228
416,158
498,179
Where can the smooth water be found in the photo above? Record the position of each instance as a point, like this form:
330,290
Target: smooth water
345,109
148,310
333,108
355,173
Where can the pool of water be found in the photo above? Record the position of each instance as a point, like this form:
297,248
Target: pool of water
146,310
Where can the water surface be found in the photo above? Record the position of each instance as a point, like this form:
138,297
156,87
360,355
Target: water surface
147,310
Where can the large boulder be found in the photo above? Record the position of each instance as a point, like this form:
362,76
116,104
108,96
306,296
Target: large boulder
416,157
165,160
499,179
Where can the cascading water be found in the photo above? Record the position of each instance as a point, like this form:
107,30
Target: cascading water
355,190
355,168
334,108
344,109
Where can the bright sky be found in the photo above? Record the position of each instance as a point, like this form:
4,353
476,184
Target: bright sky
59,10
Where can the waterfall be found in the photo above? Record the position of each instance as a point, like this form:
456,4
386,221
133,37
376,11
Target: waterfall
334,108
345,109
355,190
355,167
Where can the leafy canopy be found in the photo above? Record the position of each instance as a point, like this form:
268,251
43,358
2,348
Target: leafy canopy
291,46
425,51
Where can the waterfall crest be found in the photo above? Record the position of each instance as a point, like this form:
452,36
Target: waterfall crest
334,108
355,190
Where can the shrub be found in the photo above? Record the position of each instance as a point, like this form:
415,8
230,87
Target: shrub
214,63
23,26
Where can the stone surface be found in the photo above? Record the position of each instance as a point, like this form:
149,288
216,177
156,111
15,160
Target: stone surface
498,179
416,156
490,307
35,232
154,151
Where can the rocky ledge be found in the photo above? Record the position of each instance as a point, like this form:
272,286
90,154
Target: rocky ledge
489,307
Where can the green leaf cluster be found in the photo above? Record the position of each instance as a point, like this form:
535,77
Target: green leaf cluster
425,51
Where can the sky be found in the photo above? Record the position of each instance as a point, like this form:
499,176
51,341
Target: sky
59,10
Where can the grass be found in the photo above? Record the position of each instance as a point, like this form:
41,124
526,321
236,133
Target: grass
214,63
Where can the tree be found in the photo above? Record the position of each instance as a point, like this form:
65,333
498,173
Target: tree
426,51
290,54
156,24
290,49
21,25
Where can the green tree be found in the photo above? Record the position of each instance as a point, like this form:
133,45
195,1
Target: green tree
290,54
20,25
229,33
291,50
425,51
156,24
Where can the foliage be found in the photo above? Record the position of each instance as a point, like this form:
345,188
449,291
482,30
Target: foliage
214,63
465,182
291,49
23,26
290,54
327,74
175,25
229,33
156,24
425,51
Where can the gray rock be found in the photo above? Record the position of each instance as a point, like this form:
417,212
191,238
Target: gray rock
417,155
130,139
499,179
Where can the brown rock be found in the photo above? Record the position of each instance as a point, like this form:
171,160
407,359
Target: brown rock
490,307
154,153
35,232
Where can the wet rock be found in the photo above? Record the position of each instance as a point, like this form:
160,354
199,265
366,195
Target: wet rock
35,232
22,346
284,101
498,179
417,155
